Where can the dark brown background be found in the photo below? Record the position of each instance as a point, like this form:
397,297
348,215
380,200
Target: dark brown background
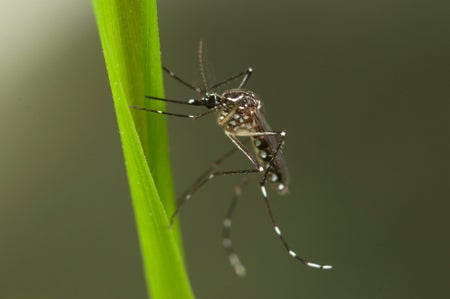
362,88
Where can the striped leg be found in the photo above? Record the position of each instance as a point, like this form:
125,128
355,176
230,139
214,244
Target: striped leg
226,232
191,102
272,218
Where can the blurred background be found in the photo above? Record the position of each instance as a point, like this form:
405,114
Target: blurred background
362,87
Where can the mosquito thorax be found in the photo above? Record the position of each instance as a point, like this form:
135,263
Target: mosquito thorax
245,99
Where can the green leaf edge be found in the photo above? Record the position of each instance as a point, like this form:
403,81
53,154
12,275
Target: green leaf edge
129,35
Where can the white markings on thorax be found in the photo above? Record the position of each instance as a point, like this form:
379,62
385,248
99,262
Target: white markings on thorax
240,97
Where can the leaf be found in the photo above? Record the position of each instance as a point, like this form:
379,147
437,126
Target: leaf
129,36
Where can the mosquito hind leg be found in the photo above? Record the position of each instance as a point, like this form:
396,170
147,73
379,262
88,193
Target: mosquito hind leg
226,232
277,229
283,240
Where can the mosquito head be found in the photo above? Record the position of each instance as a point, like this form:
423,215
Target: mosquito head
211,100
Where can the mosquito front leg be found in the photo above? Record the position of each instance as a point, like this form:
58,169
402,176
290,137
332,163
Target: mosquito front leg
191,116
191,102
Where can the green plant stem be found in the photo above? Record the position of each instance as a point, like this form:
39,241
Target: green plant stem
129,35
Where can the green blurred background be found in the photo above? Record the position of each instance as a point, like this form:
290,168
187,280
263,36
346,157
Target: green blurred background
361,86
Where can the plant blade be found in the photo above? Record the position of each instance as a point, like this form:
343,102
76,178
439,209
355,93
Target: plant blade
121,30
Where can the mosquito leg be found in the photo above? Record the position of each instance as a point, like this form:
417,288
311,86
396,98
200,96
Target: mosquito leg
191,116
282,134
244,150
172,74
246,73
203,178
192,102
272,217
213,166
274,155
254,134
286,245
203,181
226,232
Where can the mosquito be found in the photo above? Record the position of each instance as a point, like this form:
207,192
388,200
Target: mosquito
239,112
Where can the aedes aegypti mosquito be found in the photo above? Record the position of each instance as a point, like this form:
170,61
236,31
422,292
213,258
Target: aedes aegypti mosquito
240,115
